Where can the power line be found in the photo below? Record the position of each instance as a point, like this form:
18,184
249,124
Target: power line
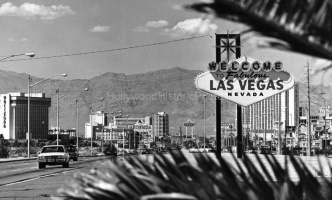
110,50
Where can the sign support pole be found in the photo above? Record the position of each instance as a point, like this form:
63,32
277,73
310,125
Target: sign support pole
228,47
239,148
218,102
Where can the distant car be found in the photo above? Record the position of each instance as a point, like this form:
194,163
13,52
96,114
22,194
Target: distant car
194,150
253,150
73,153
100,154
304,150
53,155
147,151
265,149
201,150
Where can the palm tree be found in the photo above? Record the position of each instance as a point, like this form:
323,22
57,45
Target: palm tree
302,26
205,178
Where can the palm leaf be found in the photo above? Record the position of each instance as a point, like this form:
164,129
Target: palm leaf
203,177
304,25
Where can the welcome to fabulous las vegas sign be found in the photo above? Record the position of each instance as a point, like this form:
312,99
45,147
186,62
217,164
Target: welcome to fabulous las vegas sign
245,80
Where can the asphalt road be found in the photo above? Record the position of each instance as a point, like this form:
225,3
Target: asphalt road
23,179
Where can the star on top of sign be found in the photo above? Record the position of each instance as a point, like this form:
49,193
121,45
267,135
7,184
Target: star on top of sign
228,46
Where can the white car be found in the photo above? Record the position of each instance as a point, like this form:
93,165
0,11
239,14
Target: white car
200,150
53,155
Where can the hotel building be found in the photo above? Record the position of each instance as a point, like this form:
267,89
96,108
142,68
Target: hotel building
265,116
161,124
14,115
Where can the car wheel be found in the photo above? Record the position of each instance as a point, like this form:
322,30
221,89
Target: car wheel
41,166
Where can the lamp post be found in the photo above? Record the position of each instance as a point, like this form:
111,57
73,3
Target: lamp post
77,124
255,131
279,135
58,125
102,132
204,120
57,117
29,80
291,124
91,126
272,110
31,85
100,99
22,54
264,114
111,134
325,124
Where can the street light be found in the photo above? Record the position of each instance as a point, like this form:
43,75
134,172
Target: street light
29,86
264,114
272,138
23,54
100,99
58,123
102,132
29,55
256,124
204,120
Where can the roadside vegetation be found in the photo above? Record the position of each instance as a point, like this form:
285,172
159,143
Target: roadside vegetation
207,178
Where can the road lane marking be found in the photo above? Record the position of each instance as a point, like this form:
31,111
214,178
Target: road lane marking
19,164
15,170
42,176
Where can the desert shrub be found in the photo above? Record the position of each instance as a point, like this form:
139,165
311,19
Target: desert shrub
4,151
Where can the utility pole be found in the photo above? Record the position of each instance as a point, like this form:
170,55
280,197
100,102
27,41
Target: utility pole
325,124
279,120
309,126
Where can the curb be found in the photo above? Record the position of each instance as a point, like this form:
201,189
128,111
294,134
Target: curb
16,159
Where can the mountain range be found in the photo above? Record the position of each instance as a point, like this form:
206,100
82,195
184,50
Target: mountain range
136,95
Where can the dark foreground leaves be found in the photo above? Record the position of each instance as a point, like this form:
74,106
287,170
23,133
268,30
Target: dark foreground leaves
174,177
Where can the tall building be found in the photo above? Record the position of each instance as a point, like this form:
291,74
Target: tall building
14,115
264,116
161,124
98,118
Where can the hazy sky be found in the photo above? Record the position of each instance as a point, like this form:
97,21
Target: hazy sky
109,29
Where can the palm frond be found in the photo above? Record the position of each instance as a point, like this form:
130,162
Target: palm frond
203,177
305,25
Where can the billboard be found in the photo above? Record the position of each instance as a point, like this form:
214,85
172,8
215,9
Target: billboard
245,80
189,123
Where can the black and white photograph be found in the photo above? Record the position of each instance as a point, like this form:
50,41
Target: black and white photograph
166,99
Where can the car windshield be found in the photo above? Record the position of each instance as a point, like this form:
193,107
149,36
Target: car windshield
52,149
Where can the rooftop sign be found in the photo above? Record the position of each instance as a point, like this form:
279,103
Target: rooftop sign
245,81
189,123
